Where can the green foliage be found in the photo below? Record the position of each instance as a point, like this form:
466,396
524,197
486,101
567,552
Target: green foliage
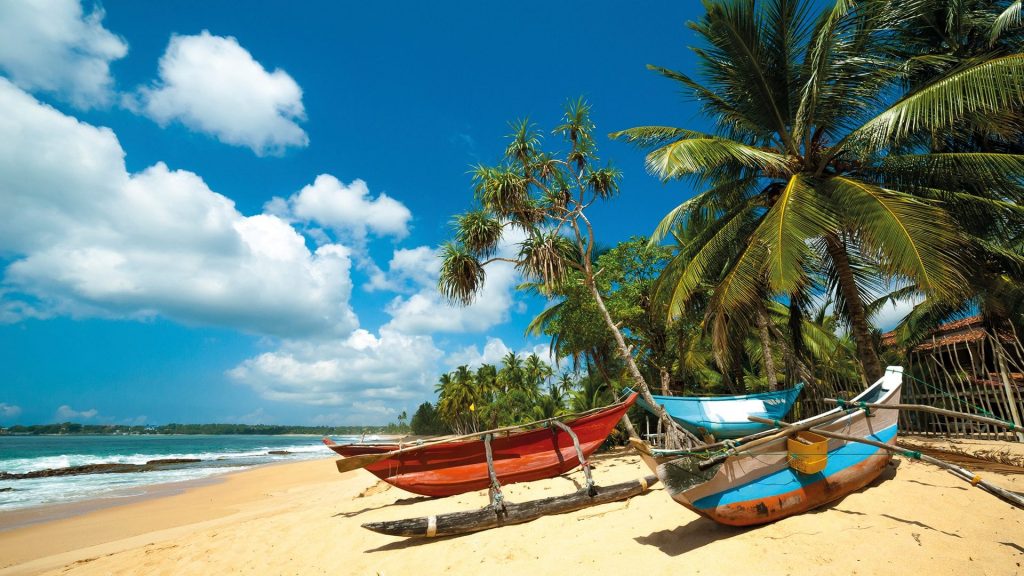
426,422
822,174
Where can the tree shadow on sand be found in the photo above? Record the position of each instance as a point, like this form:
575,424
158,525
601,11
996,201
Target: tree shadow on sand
400,502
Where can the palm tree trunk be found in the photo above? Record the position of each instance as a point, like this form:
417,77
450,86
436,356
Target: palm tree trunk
855,307
768,361
666,381
675,435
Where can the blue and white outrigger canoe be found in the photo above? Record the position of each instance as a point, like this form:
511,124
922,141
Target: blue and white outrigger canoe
790,472
726,416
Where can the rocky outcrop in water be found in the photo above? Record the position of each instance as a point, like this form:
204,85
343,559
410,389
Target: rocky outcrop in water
99,469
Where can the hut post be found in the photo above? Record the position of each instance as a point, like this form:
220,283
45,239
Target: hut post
1004,374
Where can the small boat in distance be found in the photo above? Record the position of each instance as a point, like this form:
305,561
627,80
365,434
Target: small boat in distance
725,417
452,467
794,470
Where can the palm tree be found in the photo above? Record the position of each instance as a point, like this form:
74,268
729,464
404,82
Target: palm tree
536,371
544,198
806,167
457,398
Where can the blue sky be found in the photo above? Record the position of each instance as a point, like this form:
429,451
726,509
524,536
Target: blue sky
221,211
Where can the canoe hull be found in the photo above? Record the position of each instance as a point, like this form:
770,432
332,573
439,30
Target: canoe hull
458,467
725,417
759,486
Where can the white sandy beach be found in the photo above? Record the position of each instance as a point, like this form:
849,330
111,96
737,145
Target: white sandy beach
304,518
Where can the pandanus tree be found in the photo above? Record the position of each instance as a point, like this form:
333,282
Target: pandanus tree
804,177
542,199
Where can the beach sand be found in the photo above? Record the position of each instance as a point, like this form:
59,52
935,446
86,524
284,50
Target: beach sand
304,518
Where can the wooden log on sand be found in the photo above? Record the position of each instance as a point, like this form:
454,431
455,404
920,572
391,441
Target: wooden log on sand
511,513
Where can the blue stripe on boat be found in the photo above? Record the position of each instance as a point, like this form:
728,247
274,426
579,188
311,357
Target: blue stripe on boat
788,480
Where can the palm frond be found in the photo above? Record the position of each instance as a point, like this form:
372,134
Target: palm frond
915,237
462,275
479,232
1009,18
992,85
678,152
798,215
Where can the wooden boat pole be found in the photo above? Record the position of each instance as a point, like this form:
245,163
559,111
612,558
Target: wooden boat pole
957,471
579,455
363,460
962,473
925,408
789,429
494,490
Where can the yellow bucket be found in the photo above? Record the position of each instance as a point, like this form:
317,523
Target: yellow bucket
808,452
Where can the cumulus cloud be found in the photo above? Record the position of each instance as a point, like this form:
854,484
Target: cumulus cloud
363,368
347,210
9,410
90,239
213,85
494,350
52,46
65,412
427,312
409,270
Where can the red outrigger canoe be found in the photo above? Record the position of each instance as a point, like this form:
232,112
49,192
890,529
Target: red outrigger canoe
448,468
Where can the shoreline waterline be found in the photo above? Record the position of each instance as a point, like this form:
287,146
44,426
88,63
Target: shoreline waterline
43,471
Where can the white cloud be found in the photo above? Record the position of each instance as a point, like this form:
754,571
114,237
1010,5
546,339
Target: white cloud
494,350
65,412
409,270
426,311
348,210
90,239
9,410
51,46
213,85
363,368
889,315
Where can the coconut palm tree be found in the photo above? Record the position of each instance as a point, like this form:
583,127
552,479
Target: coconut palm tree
457,398
816,134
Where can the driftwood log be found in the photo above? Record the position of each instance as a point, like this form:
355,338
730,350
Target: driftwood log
512,513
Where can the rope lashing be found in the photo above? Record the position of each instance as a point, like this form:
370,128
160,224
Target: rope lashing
844,404
912,454
976,480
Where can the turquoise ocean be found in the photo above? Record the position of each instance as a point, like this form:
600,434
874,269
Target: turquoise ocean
215,454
